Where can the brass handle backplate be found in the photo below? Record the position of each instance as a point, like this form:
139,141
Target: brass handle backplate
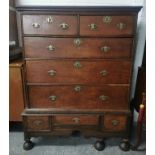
76,120
36,25
92,26
49,20
64,26
77,64
107,19
105,49
51,48
77,42
77,88
121,26
52,72
38,122
52,97
103,72
115,122
103,97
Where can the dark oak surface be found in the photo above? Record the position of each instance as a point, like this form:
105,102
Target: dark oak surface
53,28
79,64
106,29
118,72
116,97
37,47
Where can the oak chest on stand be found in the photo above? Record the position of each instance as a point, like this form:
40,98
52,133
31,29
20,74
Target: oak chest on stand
78,68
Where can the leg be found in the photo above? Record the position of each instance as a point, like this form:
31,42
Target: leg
99,145
28,145
125,145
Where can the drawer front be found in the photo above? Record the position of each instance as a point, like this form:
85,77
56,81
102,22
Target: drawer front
78,71
115,122
107,25
76,120
79,97
49,24
39,47
38,123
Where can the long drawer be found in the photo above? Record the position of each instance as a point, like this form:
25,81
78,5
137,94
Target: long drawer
79,97
50,24
107,25
39,47
78,71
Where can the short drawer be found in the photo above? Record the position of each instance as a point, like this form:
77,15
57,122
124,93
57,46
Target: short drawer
107,25
79,97
78,71
50,24
76,120
39,47
37,123
115,122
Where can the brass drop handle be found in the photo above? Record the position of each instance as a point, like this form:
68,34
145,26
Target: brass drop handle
49,19
76,120
92,26
77,64
77,88
64,26
52,72
105,49
51,48
121,26
36,25
52,98
77,42
104,72
103,97
38,122
115,122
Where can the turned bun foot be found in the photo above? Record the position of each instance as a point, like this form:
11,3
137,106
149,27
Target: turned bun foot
124,146
99,145
28,145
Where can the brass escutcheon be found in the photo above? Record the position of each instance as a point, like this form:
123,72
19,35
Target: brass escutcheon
77,64
51,48
115,122
77,88
77,42
107,19
105,49
49,19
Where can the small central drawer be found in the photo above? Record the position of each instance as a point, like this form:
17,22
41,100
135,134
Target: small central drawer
50,24
39,47
107,25
76,120
78,71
